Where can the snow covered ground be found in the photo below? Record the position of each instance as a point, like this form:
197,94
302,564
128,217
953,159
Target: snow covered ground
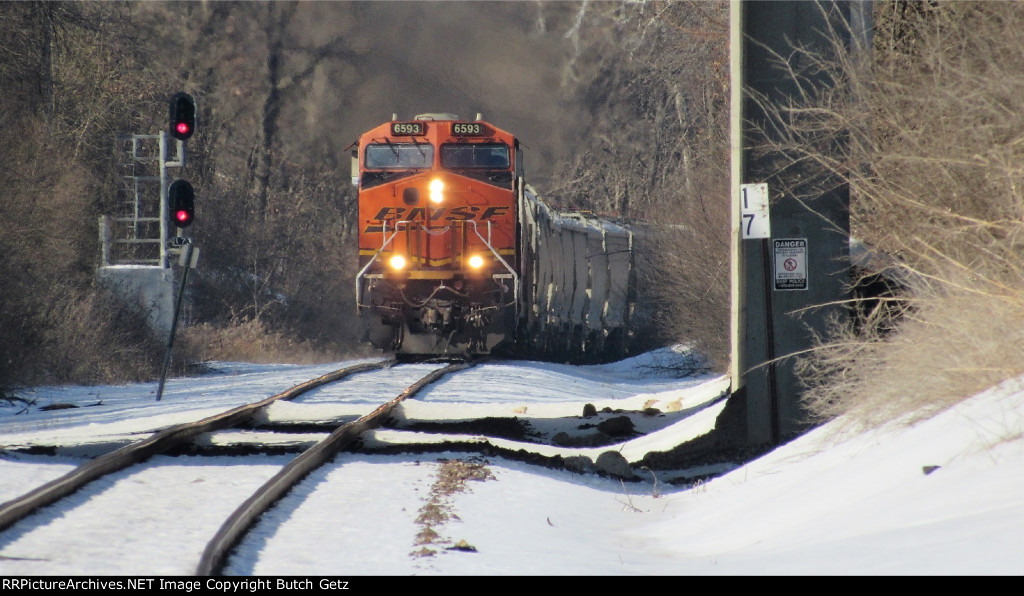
945,496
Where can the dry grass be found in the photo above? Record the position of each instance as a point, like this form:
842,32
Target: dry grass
953,343
933,138
452,477
683,276
252,341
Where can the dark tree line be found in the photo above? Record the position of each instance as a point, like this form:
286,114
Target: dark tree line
621,107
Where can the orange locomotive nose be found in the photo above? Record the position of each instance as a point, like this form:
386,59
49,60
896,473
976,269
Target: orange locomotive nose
448,233
437,204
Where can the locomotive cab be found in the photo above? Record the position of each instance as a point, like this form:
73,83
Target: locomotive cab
437,235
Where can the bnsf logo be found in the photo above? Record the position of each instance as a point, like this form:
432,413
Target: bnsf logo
463,213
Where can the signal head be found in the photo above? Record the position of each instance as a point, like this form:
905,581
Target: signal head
181,203
182,116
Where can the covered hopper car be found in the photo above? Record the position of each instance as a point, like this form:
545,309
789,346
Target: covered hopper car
458,256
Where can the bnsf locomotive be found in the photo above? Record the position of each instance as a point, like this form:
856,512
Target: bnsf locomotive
457,256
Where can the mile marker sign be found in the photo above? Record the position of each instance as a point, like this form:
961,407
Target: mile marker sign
754,211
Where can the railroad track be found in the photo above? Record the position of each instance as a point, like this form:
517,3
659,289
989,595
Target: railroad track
187,473
179,437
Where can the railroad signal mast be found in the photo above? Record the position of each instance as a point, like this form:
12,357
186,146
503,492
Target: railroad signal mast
139,232
178,202
146,229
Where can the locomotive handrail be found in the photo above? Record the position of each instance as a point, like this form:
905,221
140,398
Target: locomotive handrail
362,272
387,240
490,247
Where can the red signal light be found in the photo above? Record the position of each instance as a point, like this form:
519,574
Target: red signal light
182,114
181,198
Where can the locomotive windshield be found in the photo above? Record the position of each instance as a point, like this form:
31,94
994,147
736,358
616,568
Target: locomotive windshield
456,156
399,156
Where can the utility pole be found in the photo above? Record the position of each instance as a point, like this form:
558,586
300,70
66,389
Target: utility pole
790,281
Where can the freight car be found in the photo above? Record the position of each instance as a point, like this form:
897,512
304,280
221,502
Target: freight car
459,256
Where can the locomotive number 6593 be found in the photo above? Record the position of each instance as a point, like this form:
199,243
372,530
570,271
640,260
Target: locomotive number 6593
458,256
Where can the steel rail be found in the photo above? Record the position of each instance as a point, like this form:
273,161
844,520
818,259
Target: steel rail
243,518
163,440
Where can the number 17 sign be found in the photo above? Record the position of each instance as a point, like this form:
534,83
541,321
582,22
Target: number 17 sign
754,219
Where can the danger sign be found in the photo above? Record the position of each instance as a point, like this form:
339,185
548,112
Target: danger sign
790,263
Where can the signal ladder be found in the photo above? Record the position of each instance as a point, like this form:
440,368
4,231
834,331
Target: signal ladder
138,233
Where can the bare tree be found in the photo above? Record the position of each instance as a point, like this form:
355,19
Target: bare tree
653,79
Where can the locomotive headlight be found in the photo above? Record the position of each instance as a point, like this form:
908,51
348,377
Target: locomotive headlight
397,262
436,191
476,261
